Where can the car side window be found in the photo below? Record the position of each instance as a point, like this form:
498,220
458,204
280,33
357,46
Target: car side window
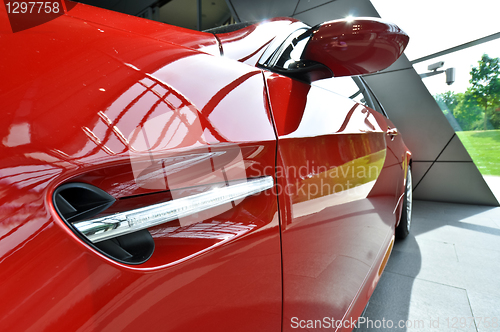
351,87
288,54
378,106
348,87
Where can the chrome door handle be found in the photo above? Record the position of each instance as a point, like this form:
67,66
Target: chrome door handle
392,132
103,228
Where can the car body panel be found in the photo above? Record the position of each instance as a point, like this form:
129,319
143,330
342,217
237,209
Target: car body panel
197,40
334,231
151,113
75,93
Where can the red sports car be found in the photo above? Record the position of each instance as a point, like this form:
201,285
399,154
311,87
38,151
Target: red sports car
157,178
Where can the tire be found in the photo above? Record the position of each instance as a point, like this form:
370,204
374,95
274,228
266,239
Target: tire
404,226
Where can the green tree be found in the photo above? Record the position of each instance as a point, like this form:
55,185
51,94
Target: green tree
485,86
448,100
467,112
460,108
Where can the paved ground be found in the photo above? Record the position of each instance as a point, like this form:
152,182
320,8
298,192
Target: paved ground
444,273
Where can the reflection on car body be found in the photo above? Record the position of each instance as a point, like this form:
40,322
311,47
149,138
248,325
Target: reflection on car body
268,180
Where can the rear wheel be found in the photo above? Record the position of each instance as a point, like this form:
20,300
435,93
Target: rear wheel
403,228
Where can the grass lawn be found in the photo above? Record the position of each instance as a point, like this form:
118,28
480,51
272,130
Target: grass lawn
484,148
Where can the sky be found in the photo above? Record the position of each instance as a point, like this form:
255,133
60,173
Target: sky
437,25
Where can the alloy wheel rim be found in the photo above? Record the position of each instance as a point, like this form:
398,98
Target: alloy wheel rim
409,193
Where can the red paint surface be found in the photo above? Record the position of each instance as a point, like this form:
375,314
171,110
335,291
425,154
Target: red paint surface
74,93
336,223
356,47
78,90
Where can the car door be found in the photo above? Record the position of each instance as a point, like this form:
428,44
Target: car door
104,117
336,235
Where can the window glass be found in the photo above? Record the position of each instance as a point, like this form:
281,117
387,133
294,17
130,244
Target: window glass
291,50
471,103
434,26
346,86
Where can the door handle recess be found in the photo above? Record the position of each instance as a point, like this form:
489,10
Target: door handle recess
108,227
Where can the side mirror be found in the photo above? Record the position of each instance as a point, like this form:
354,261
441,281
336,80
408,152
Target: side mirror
337,48
355,46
